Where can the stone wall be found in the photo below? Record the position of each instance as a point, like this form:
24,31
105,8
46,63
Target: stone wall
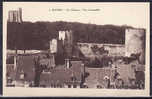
135,43
113,49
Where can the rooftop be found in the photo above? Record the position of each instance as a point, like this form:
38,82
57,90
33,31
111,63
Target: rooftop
25,64
10,71
62,75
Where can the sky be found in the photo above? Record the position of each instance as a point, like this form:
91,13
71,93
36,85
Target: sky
132,14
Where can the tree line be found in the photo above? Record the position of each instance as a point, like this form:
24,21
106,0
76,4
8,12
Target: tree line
28,35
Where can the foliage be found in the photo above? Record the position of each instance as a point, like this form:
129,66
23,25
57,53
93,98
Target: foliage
28,35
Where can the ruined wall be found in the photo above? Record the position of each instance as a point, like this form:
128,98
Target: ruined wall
15,15
135,43
62,35
53,46
113,49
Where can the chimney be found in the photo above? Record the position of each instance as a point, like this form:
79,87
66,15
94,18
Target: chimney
83,72
15,61
53,46
67,63
20,14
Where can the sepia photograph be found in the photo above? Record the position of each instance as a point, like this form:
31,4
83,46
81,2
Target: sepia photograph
75,49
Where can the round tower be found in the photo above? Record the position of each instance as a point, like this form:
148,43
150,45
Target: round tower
135,43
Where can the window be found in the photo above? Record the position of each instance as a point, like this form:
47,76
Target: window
10,60
9,80
21,76
60,86
8,74
42,86
52,85
133,66
55,86
69,86
99,86
73,78
74,86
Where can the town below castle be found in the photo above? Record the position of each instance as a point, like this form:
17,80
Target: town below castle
68,63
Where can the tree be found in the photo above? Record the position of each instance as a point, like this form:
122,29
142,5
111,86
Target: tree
28,35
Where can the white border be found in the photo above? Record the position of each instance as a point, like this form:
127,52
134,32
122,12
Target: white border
76,92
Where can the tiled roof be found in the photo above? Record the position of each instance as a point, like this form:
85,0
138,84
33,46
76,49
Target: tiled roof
48,61
62,75
97,75
10,71
140,68
126,73
140,75
25,63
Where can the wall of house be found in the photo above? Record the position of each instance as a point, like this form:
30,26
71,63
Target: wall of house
96,76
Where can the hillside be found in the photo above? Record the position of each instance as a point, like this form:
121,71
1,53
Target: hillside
28,35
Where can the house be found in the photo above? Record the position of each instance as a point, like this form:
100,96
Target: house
28,65
25,72
63,77
10,71
99,77
10,75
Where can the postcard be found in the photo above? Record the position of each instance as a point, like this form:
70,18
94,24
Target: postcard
85,49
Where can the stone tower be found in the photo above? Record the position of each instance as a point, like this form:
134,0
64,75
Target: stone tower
15,15
135,43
